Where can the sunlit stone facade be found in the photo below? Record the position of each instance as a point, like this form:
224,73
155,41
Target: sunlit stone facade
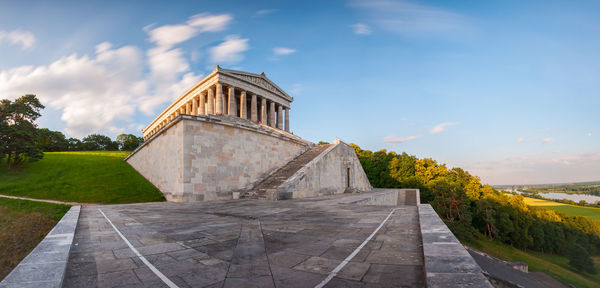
229,92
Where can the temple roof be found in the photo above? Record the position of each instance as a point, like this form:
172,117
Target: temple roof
256,79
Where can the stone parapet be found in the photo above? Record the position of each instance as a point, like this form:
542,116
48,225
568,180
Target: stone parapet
45,266
447,262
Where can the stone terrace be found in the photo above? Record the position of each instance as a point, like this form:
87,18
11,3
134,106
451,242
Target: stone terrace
247,243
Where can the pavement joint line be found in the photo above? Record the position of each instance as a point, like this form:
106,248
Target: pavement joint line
337,269
137,253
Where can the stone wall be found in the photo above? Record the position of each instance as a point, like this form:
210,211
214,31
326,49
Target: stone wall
204,158
159,160
327,174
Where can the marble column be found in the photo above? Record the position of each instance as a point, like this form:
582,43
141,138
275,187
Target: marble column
279,117
253,113
287,119
243,104
201,104
219,103
232,107
211,101
188,108
195,105
263,111
272,114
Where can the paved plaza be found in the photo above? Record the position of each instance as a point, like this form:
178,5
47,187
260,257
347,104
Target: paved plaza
247,243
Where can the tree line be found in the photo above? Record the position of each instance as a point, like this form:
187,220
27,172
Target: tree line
50,141
21,140
472,210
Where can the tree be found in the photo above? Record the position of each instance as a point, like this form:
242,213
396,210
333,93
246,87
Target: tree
96,142
128,142
580,259
18,131
74,144
50,141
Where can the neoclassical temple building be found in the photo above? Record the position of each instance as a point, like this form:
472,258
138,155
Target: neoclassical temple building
229,92
229,137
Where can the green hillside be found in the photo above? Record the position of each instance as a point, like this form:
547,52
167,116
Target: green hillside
554,265
86,177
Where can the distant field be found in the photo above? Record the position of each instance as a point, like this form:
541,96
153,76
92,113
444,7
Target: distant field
86,177
23,224
570,210
554,265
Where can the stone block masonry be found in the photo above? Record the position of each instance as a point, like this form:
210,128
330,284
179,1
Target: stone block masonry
336,170
209,157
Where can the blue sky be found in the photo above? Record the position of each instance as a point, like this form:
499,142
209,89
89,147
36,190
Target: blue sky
508,90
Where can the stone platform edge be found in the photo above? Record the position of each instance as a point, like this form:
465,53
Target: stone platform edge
46,265
447,262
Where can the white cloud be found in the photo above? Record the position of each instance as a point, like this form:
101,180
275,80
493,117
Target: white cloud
168,36
283,51
25,39
411,19
169,68
263,12
548,140
521,139
396,139
361,29
442,127
92,92
230,50
589,134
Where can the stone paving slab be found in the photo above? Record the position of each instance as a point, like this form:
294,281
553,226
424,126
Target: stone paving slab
246,243
254,243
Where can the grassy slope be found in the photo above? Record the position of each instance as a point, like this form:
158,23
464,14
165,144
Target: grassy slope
553,265
87,177
570,210
23,224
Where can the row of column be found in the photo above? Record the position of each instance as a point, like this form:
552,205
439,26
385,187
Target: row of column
214,101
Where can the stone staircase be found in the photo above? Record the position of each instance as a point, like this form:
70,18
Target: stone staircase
268,187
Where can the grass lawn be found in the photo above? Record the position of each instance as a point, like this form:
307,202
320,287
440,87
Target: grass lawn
23,224
86,177
554,265
570,210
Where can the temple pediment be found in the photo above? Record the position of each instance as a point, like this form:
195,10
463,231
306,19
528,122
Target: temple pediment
260,80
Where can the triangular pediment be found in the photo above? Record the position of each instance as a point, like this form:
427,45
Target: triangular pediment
260,80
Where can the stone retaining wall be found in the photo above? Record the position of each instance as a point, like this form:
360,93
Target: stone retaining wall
45,266
205,158
327,174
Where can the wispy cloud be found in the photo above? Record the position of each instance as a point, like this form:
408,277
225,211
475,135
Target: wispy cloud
521,139
296,89
283,51
25,39
263,12
442,127
230,50
547,140
396,139
411,19
361,29
589,134
545,167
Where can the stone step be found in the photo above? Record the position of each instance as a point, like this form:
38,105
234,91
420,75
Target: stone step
268,187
